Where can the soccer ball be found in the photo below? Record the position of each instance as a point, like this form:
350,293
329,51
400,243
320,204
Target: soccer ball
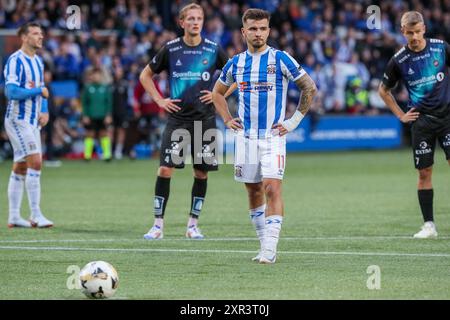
99,280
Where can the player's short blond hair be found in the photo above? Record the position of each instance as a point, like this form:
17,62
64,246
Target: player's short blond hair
411,18
188,7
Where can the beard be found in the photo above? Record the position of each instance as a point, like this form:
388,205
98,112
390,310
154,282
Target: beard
258,43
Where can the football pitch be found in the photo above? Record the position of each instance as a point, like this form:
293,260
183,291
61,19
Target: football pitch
344,212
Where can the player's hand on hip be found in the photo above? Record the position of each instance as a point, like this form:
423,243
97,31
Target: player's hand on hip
45,92
234,124
169,104
43,119
279,129
206,98
410,116
290,124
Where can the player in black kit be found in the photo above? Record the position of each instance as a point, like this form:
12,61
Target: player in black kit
423,66
191,62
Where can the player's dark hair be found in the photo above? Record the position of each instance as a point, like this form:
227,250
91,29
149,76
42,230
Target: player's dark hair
24,29
255,14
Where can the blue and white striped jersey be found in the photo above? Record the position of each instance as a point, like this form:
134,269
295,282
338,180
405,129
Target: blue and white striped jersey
26,72
262,80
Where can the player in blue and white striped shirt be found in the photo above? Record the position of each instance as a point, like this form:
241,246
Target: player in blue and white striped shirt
26,113
262,74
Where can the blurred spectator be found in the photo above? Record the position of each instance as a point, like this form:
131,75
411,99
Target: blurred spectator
149,116
97,111
120,112
356,97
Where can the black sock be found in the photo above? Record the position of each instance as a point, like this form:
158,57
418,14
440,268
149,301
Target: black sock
198,196
426,204
162,190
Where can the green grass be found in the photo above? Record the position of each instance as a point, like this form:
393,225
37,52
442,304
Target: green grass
344,212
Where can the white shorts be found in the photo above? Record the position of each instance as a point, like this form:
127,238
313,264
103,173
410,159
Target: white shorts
24,137
257,159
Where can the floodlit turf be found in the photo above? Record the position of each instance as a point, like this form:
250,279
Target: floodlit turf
344,212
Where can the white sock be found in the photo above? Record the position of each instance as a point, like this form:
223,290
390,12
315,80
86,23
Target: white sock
192,222
15,193
159,222
272,232
33,185
258,220
119,149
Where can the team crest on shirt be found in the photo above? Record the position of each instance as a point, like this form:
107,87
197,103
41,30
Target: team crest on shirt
238,171
271,69
436,63
239,70
205,61
31,84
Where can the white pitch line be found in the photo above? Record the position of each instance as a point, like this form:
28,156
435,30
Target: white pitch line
149,250
220,239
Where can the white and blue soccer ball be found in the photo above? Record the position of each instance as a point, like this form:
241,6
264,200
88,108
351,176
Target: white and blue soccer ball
99,280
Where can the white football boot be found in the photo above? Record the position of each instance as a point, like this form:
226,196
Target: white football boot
258,256
428,231
268,257
19,222
193,232
155,233
41,222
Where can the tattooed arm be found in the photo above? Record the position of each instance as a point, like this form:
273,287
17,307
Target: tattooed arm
308,90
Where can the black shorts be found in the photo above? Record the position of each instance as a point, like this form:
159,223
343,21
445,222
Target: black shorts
96,125
178,137
424,133
120,121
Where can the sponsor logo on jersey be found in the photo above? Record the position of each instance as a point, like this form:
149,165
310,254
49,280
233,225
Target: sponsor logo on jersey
206,76
189,75
440,76
208,49
192,52
178,63
410,71
436,49
423,56
255,86
175,49
423,81
403,59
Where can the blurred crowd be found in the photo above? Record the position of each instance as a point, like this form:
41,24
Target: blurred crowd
329,38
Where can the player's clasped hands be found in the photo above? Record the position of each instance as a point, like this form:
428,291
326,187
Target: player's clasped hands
169,104
410,116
